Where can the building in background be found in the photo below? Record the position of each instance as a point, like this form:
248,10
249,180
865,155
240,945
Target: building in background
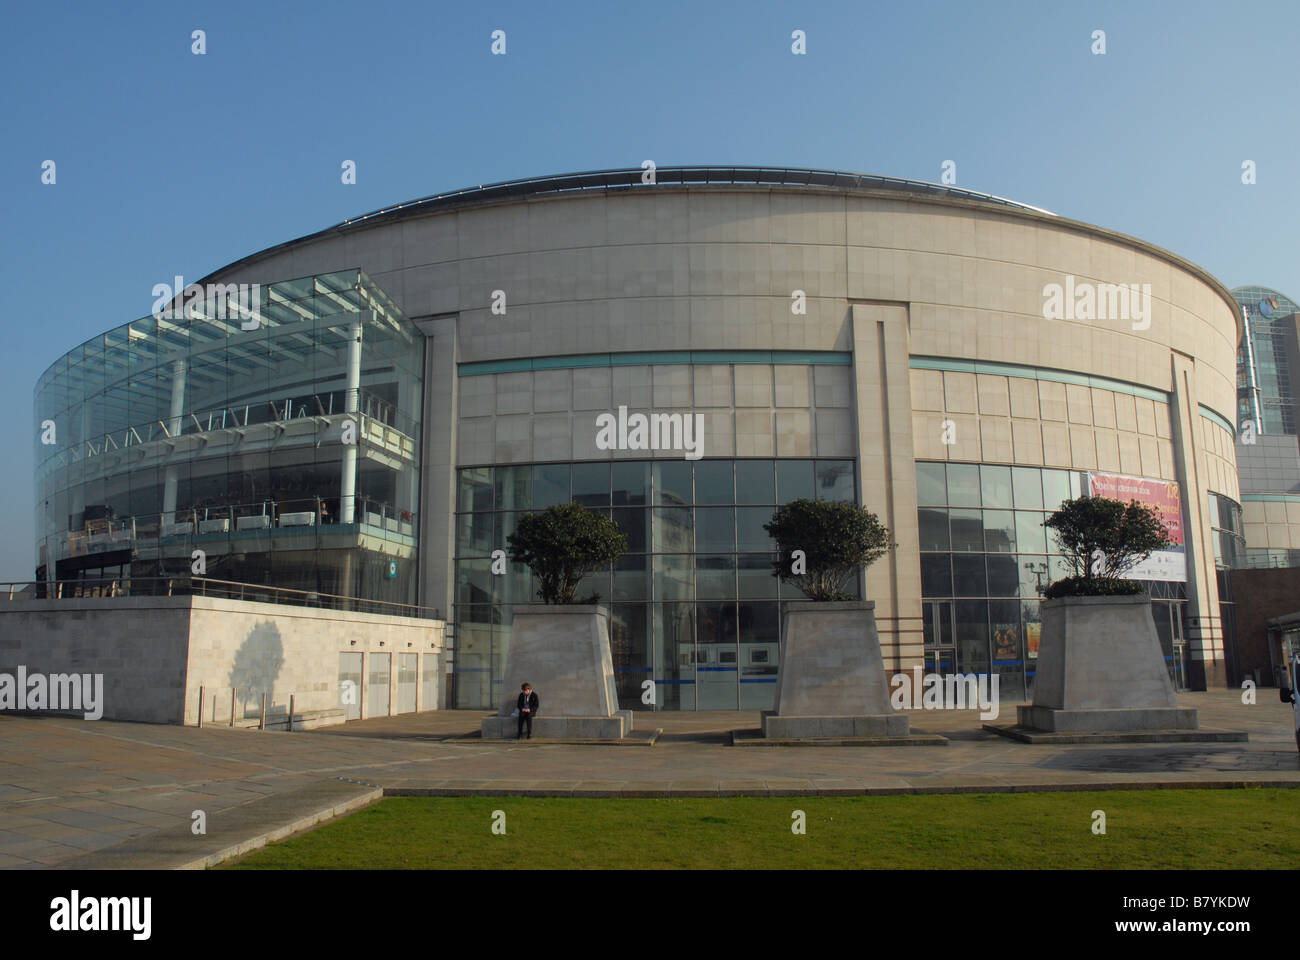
956,362
1268,448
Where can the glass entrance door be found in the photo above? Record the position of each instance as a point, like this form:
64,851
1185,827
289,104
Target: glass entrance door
940,639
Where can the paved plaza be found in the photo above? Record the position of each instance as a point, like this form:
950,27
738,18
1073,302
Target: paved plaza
121,791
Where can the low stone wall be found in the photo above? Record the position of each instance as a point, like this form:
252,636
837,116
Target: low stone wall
156,652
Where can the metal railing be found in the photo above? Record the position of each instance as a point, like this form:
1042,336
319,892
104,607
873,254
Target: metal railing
203,522
685,176
131,586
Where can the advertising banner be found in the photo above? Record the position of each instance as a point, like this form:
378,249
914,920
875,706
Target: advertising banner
1162,496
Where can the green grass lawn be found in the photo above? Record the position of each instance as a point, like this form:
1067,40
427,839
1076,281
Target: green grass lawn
1170,829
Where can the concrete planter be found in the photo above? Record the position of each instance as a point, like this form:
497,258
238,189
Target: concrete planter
563,651
1101,668
832,680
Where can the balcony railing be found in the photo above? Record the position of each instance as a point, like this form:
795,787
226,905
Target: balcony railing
129,586
302,515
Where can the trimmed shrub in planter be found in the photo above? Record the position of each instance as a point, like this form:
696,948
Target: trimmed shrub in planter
1103,539
563,544
822,544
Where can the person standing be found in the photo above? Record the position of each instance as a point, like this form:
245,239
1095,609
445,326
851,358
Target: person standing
526,708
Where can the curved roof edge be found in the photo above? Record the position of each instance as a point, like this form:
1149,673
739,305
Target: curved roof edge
723,176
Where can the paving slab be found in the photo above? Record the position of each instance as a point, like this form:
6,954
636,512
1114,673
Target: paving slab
147,778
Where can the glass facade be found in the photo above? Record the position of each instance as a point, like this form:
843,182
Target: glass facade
694,604
1266,380
985,560
288,452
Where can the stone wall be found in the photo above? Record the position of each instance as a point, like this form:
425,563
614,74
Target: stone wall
156,652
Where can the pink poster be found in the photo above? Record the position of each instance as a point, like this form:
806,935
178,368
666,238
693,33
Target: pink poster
1160,495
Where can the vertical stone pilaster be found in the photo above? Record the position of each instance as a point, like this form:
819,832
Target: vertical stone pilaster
1206,669
887,475
438,481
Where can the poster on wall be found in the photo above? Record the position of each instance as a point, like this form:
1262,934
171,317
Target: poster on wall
1005,645
1162,496
1032,631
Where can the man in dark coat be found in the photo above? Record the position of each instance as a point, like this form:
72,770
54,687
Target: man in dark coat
526,707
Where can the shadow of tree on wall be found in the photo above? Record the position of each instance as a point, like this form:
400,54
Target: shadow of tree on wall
257,664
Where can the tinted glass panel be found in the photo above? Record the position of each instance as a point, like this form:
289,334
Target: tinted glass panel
1004,578
713,482
631,481
794,480
672,482
933,527
835,480
967,530
969,578
936,575
963,485
550,484
931,484
999,531
591,484
1028,484
755,481
1031,535
995,486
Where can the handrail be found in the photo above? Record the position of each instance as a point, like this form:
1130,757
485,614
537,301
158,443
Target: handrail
206,587
687,175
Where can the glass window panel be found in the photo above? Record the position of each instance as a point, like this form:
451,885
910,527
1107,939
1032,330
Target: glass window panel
967,530
760,623
835,480
794,480
473,534
475,489
475,582
629,647
631,481
715,529
755,580
672,482
713,482
715,623
931,485
936,575
1028,487
1032,571
631,578
1056,488
506,524
968,575
933,526
755,481
1004,577
995,486
963,485
550,484
1031,535
750,534
674,577
972,635
673,529
715,576
591,484
594,587
999,531
1058,568
633,521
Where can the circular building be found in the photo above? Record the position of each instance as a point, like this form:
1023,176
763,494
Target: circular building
956,362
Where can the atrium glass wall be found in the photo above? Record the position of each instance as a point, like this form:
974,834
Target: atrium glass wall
985,560
1266,381
288,452
694,604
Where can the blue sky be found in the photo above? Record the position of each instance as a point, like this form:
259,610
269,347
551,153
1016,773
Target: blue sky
170,163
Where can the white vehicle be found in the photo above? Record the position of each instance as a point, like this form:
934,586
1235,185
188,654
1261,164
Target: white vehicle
1288,693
